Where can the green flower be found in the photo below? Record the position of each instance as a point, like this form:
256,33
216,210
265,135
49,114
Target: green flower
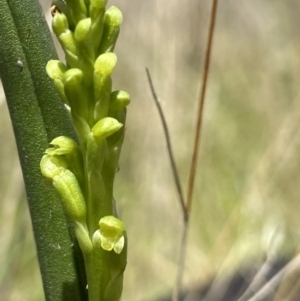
83,171
111,234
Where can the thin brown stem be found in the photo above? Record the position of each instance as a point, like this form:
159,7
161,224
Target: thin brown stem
169,145
194,161
177,287
186,206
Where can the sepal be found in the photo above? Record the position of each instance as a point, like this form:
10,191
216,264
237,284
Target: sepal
67,147
70,194
52,165
83,238
62,145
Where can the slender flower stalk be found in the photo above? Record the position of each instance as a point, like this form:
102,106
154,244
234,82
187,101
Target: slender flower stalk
83,174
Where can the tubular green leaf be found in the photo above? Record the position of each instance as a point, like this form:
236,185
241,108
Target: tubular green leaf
38,116
34,36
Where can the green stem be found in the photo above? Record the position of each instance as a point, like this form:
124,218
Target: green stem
97,273
38,116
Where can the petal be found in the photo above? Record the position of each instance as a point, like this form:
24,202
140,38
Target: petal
119,245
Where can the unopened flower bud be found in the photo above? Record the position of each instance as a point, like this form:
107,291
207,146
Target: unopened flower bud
68,42
119,100
60,24
104,67
98,3
73,77
72,80
105,127
79,9
113,17
83,29
112,22
105,64
96,13
62,145
76,93
55,69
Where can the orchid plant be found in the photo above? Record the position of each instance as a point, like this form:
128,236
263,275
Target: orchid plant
83,155
83,172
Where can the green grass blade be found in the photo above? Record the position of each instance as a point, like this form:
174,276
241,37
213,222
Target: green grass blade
38,116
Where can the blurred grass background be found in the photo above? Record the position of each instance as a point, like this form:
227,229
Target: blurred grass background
246,201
